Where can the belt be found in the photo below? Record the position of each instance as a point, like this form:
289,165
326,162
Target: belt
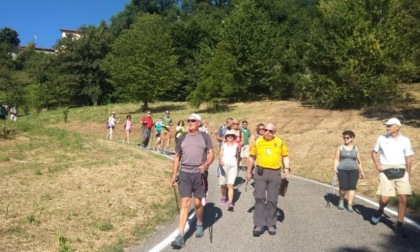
268,168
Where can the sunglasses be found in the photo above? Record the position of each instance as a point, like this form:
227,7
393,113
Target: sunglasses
346,138
192,120
230,135
269,130
261,129
235,123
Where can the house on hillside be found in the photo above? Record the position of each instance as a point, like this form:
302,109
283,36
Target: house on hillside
65,33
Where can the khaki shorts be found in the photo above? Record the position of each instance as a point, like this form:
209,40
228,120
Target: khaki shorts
245,151
393,187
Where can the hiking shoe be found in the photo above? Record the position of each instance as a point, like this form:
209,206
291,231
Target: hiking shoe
230,207
257,231
377,217
178,243
199,231
399,231
341,205
223,201
272,230
350,209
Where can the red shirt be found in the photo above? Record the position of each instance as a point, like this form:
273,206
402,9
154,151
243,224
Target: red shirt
147,121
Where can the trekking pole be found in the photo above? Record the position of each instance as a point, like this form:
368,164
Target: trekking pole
246,186
331,192
176,196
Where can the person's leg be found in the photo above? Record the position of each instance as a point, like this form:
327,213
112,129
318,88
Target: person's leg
274,180
353,178
128,136
343,185
199,211
183,214
230,193
260,188
111,129
169,140
402,207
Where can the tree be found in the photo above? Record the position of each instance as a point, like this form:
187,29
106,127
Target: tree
9,36
142,63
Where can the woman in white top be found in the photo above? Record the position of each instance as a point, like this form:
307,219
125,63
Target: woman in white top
228,160
111,125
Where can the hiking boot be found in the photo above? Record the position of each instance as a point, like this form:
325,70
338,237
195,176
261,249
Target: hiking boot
350,208
223,201
399,231
341,205
257,231
199,231
178,243
272,230
376,217
230,207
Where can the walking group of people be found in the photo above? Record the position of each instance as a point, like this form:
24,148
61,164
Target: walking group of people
266,159
162,129
4,112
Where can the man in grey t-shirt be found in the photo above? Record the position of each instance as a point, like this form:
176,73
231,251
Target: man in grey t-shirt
194,153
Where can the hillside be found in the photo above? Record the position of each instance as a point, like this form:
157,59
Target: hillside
68,178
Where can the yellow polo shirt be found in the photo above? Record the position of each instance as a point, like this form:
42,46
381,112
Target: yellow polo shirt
269,154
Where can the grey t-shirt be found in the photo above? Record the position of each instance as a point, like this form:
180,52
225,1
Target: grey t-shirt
348,159
193,151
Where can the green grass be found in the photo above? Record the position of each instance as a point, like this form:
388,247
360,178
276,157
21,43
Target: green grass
413,201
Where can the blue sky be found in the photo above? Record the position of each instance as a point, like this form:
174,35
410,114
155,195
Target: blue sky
41,20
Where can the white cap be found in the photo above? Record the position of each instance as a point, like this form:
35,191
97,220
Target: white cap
194,116
393,121
113,112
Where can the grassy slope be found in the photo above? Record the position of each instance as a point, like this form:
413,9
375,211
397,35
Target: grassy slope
101,194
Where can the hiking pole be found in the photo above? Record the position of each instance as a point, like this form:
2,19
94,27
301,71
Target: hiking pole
176,196
332,189
246,186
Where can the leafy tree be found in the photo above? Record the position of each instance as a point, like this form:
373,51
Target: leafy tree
218,83
9,36
347,65
142,63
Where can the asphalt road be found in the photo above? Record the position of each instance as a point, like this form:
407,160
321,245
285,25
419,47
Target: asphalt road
304,224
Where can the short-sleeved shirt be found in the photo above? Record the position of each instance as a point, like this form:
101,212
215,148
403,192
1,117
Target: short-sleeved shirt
269,154
166,121
393,150
193,151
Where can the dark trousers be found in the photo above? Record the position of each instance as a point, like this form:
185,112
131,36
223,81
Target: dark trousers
266,192
146,137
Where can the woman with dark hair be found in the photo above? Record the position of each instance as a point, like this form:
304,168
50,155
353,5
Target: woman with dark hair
347,166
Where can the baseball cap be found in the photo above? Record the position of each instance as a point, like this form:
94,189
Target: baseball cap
393,121
194,116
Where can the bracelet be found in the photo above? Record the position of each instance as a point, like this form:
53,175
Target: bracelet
287,169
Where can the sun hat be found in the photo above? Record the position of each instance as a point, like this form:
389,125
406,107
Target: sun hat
194,116
230,133
393,121
113,112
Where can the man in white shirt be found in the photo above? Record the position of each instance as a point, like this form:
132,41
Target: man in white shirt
395,155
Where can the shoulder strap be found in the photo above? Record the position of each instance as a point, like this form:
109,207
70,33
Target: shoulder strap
341,147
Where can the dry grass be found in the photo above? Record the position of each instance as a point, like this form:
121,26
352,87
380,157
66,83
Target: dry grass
99,192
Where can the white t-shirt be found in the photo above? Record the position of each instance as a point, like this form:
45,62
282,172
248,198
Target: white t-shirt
393,150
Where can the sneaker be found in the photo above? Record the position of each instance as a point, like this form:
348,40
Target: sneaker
223,201
350,209
178,243
230,207
341,205
272,230
399,231
377,217
199,231
257,231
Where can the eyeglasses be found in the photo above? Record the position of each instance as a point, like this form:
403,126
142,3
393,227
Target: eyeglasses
261,129
346,138
230,135
235,123
388,126
269,130
192,120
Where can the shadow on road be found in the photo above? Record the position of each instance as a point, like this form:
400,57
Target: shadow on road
211,215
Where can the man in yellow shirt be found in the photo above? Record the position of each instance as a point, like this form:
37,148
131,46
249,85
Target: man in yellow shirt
270,155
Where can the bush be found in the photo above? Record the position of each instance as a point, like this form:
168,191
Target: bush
7,132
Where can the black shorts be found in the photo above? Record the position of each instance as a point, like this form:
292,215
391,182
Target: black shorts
347,179
189,184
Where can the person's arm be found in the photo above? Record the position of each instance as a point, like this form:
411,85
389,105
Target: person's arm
221,154
175,168
286,165
376,161
210,158
408,162
359,163
336,160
